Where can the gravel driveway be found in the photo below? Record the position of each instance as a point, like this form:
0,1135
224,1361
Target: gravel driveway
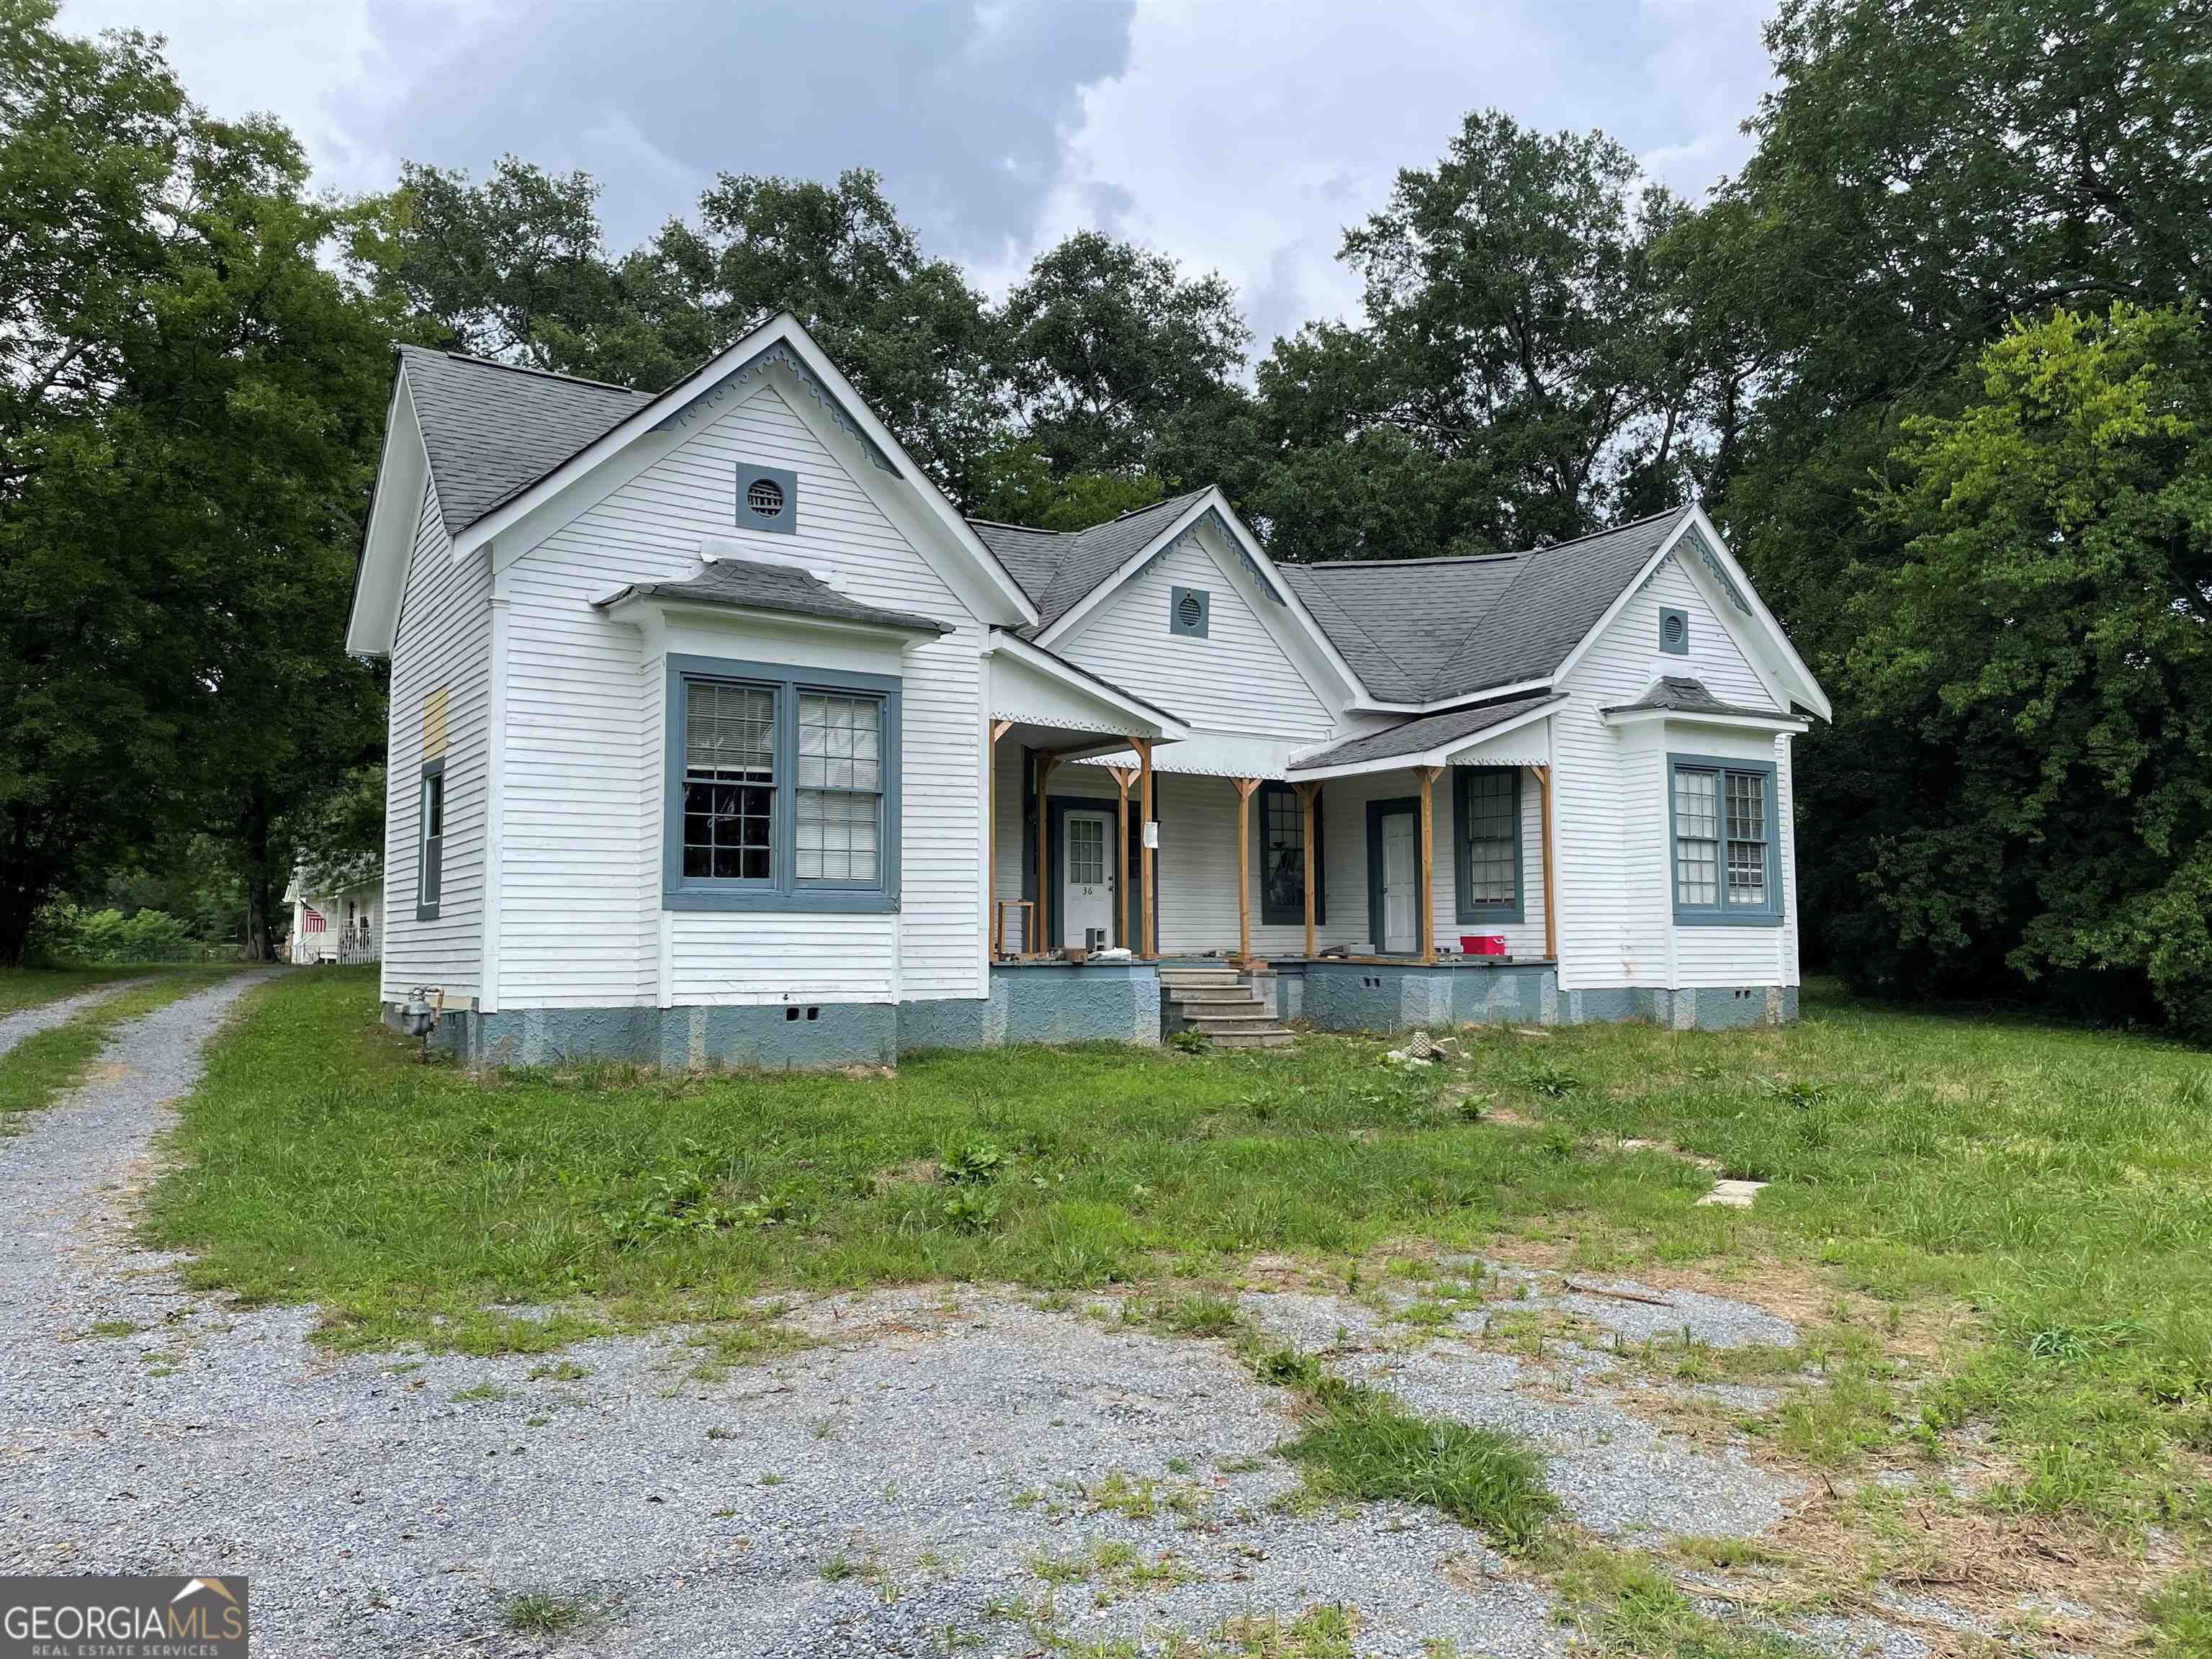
29,1022
890,1490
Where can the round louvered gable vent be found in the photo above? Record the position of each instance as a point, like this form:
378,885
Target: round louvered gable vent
1675,629
765,497
1191,611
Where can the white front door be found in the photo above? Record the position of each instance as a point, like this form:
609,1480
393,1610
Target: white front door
1402,882
1086,885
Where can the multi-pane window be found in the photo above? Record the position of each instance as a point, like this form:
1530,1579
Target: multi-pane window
1724,843
783,788
1489,830
1487,848
1282,832
1086,851
430,841
840,781
729,781
1747,838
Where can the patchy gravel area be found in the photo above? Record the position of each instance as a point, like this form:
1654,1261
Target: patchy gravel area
29,1022
891,1489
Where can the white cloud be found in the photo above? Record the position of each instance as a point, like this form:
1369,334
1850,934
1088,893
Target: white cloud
1242,138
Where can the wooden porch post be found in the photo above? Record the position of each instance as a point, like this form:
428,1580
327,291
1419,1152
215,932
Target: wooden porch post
1244,788
1044,765
1306,799
1148,918
999,729
1428,775
1123,777
1551,884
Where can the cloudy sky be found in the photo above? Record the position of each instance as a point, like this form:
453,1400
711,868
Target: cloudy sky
1241,137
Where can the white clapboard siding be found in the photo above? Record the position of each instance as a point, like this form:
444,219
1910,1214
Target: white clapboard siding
1197,861
1615,914
580,922
444,640
1238,679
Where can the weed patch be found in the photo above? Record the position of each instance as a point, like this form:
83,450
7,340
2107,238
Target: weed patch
1362,1445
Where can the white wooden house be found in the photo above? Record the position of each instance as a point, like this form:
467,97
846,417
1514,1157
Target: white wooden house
337,915
719,733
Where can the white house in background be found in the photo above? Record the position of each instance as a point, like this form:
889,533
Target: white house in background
719,733
337,915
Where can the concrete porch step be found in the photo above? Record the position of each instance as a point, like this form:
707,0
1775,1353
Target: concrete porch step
1195,977
1272,1037
1200,995
1212,1018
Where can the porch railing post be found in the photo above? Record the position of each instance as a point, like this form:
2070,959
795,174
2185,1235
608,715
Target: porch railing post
1551,886
1244,788
1149,919
998,729
1308,799
1044,763
1123,777
1428,775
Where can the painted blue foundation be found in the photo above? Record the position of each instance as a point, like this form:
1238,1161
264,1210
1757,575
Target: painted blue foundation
1029,1002
1052,1002
1391,996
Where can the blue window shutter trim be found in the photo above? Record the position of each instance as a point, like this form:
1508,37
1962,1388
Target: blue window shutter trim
430,848
1272,796
1721,912
1468,909
784,890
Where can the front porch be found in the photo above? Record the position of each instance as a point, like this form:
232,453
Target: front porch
1422,865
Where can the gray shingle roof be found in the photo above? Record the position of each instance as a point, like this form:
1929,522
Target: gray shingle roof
492,431
1418,737
1677,694
742,584
1056,569
1396,621
1419,630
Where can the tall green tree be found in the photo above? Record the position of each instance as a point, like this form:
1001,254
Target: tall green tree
1923,175
1120,364
191,405
514,268
2041,652
1518,376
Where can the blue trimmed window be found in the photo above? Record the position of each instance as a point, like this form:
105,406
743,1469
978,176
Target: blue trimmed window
1282,829
783,788
1726,841
430,841
1486,842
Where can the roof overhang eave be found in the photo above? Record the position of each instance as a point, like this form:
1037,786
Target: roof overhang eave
1775,722
634,606
1441,755
1157,723
1480,694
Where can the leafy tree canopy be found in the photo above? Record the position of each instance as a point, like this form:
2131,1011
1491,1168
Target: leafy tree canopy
2044,646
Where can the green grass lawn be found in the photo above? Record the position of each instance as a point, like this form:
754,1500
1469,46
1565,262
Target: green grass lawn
2049,1190
28,987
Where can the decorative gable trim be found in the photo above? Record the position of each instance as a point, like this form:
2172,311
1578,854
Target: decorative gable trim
747,377
1695,537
